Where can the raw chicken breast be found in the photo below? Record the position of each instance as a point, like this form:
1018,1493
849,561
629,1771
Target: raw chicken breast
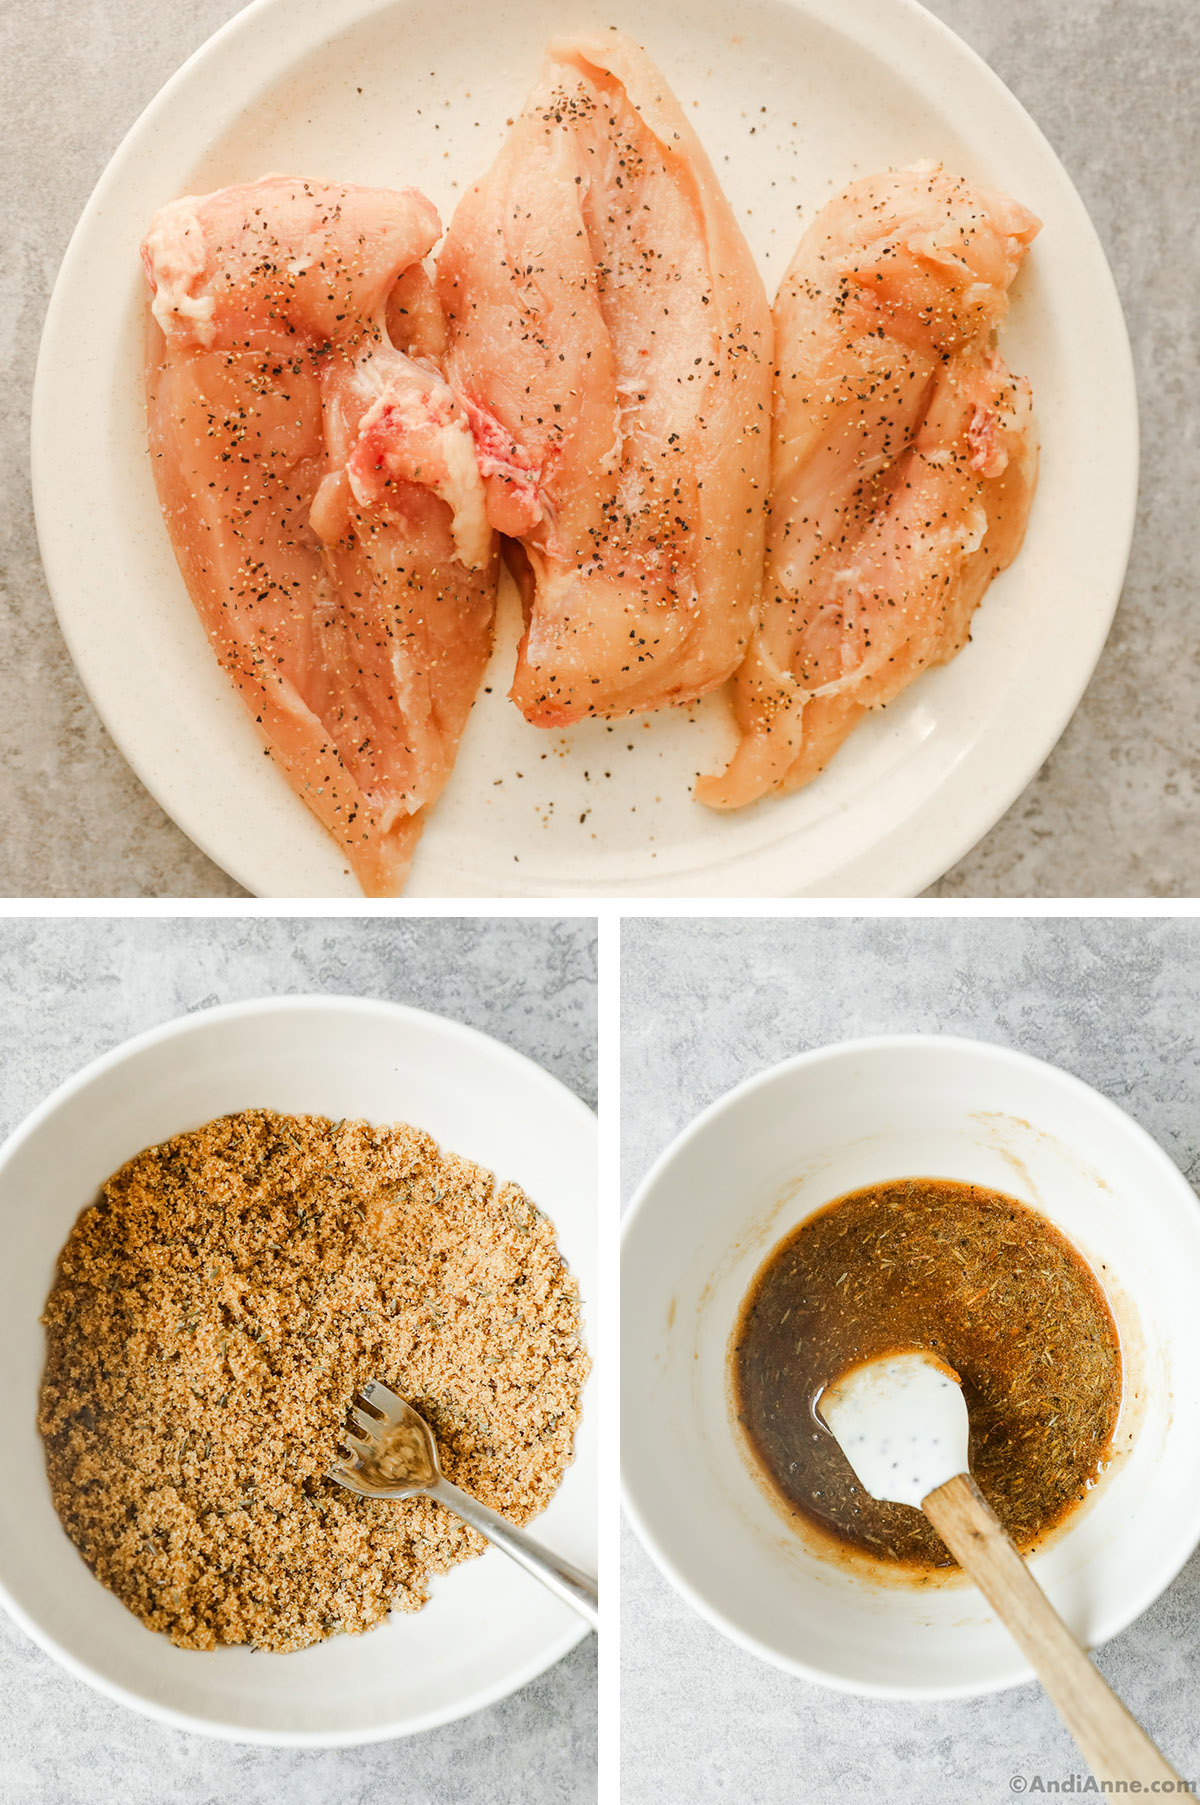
319,483
904,464
611,341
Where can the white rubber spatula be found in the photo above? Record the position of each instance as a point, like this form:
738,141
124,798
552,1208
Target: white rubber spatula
901,1422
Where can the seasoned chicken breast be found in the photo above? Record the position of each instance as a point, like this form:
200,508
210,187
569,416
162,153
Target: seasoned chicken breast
904,461
610,340
319,483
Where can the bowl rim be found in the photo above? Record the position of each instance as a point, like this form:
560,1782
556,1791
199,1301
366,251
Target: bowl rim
1172,1176
177,1027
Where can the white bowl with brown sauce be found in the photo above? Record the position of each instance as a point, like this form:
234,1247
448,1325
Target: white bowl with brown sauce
486,1628
745,1175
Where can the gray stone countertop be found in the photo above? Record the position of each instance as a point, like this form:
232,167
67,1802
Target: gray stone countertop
709,1003
1113,810
71,989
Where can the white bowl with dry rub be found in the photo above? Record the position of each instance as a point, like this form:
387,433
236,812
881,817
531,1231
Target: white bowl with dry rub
227,1227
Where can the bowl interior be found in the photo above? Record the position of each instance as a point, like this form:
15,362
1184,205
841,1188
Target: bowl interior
487,1627
760,1162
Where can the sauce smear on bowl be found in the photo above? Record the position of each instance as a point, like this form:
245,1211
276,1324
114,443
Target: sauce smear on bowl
991,1287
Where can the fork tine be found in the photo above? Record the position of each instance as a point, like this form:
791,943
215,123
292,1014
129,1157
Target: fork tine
350,1480
361,1424
383,1399
364,1401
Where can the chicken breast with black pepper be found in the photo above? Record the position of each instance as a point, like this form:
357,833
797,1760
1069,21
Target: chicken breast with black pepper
319,483
610,339
904,460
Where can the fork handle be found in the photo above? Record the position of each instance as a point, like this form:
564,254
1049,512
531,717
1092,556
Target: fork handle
564,1580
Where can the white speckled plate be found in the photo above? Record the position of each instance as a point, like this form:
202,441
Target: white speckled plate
793,98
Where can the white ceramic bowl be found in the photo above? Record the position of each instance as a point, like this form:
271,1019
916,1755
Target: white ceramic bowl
488,1628
743,1175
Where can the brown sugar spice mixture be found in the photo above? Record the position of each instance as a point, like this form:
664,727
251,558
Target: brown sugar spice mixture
987,1284
212,1316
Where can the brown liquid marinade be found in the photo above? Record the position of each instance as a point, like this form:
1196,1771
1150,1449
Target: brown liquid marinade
982,1280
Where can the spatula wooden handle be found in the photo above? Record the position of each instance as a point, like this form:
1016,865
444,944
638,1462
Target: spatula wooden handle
1114,1746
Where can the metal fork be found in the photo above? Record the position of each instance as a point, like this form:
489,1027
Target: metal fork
390,1453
